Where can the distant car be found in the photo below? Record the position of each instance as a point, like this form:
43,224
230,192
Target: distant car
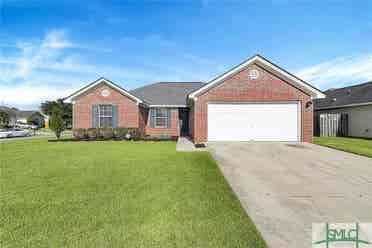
34,127
5,133
17,132
25,126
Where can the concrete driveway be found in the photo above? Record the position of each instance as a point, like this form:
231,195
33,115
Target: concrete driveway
286,187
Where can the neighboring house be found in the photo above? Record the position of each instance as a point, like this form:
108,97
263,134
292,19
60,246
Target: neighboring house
356,102
21,116
256,100
18,117
46,120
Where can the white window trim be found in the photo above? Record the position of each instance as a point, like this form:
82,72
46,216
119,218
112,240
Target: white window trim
161,117
104,116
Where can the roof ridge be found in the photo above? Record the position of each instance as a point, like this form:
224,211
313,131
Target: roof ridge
178,82
350,86
166,82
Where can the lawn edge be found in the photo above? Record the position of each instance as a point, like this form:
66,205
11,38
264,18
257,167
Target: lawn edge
343,150
257,231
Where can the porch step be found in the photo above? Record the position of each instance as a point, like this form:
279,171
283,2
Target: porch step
184,144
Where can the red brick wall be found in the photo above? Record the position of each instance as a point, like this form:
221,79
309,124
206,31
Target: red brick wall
128,109
240,88
174,130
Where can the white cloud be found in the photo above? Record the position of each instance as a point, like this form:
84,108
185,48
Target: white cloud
46,54
54,66
39,87
57,39
27,94
339,72
40,70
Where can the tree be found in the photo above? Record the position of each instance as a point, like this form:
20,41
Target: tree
4,118
66,108
57,124
36,119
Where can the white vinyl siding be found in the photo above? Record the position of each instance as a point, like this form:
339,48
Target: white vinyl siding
359,120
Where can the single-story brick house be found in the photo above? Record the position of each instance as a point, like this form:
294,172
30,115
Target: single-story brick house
355,101
256,100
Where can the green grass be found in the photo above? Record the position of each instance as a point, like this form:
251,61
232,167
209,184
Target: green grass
116,194
354,145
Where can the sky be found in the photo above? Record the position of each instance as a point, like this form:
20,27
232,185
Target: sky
49,49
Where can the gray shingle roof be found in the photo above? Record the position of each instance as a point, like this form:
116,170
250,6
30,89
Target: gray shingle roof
166,93
356,94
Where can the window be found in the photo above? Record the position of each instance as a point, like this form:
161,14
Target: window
161,117
104,116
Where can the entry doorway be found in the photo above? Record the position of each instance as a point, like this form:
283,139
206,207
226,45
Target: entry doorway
183,114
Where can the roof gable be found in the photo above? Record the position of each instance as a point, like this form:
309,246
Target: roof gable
266,64
101,81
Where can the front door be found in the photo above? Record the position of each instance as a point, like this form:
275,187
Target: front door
183,114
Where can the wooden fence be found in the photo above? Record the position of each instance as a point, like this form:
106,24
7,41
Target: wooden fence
331,124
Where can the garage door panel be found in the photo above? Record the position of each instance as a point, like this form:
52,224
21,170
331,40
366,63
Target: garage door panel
258,122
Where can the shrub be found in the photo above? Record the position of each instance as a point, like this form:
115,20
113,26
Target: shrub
130,133
134,133
120,132
92,133
105,133
56,122
4,118
80,133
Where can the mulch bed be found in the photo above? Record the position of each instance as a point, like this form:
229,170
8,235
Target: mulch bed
143,139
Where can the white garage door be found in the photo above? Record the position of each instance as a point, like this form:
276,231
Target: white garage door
253,121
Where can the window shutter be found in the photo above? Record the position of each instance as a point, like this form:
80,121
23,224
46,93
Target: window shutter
168,118
94,116
115,116
152,117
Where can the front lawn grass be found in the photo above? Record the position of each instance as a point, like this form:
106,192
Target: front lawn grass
116,194
354,145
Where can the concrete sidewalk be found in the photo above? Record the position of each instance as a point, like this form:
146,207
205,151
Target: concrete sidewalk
26,138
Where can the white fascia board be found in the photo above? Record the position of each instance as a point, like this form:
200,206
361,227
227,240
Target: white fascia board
345,106
121,90
220,78
314,92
